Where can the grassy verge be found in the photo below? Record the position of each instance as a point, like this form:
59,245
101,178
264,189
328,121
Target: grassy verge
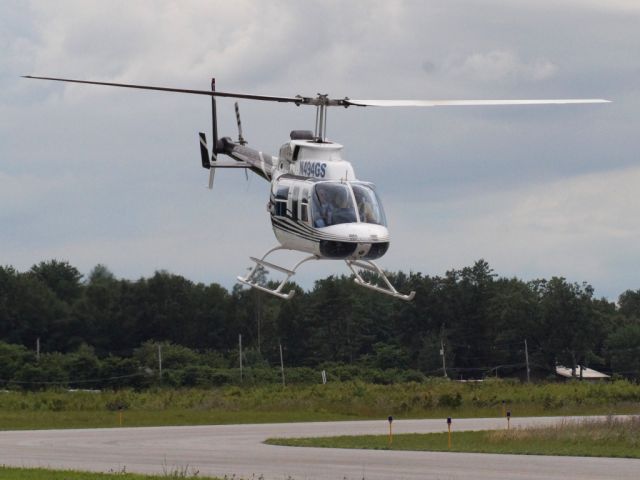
143,418
9,473
589,438
44,420
435,398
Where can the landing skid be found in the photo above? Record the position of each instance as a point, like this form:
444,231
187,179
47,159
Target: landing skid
368,265
252,281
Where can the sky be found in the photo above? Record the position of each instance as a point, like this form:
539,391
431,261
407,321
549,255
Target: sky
112,176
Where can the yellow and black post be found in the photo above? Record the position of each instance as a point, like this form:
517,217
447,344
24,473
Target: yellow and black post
449,435
508,418
390,418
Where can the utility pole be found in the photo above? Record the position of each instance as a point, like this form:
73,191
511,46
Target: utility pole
444,365
38,349
282,365
526,359
160,360
240,347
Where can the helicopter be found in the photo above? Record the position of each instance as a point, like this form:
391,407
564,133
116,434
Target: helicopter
316,203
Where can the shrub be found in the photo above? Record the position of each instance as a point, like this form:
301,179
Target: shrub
450,400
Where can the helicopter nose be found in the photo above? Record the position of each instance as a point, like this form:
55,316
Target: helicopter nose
371,251
369,233
373,241
356,240
359,232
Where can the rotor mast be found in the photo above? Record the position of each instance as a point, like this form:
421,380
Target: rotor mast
321,117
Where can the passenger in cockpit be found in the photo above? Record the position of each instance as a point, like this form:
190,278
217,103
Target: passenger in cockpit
366,211
369,207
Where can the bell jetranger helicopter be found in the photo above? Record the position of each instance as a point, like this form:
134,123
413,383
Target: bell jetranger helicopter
316,203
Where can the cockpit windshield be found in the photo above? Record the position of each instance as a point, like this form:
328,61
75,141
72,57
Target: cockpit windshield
369,205
334,203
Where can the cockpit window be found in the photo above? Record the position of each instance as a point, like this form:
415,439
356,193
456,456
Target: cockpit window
369,206
332,204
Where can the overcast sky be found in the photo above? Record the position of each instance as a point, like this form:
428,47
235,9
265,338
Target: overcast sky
102,175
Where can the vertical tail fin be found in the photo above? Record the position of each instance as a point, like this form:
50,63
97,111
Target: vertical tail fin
214,123
204,151
204,156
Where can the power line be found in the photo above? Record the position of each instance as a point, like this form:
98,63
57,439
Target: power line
69,381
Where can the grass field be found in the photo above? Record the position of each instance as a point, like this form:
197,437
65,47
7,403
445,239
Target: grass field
8,473
592,438
142,418
435,398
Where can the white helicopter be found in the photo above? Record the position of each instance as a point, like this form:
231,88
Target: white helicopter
317,205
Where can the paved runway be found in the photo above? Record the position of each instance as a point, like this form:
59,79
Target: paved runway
237,450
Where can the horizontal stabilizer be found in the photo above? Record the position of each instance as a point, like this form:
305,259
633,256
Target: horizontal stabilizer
221,164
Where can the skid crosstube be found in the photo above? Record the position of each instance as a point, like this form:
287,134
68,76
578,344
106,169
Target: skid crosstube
251,280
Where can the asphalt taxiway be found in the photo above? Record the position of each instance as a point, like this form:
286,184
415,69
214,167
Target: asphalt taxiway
238,450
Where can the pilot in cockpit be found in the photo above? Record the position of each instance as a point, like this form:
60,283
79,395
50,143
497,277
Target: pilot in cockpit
323,213
343,212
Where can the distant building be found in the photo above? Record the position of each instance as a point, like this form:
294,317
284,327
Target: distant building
587,373
539,373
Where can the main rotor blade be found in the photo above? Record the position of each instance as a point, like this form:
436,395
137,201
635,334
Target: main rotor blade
466,103
323,100
209,93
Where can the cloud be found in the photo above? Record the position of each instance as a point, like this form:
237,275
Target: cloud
105,175
25,193
501,66
583,228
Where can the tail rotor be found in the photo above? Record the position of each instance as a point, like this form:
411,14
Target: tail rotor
241,139
218,146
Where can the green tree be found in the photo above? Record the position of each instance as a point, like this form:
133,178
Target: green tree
30,310
62,278
570,328
623,350
629,304
83,367
12,359
100,274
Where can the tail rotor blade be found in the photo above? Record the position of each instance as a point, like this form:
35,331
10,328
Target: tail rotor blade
212,172
241,139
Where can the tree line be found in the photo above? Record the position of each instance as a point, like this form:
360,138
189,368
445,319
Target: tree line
473,319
